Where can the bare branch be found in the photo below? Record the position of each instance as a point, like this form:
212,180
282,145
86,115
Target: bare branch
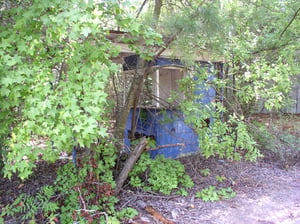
152,211
168,42
81,199
167,146
291,21
141,8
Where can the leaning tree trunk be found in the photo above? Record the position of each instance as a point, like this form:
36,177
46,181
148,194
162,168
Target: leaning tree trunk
130,162
142,70
134,92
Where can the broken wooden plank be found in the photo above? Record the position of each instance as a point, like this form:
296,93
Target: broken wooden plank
152,211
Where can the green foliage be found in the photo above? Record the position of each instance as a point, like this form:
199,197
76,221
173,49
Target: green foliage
277,138
261,55
127,213
146,34
224,138
75,196
27,207
83,193
55,62
212,194
205,172
151,143
291,141
220,178
159,174
273,136
229,140
260,61
262,136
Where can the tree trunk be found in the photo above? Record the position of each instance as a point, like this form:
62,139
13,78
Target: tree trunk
156,13
136,88
130,162
142,70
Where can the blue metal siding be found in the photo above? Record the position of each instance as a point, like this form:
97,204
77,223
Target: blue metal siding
167,127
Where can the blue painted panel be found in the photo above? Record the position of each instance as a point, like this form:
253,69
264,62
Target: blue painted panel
168,129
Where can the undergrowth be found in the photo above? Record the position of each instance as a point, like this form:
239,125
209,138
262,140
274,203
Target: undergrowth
211,193
82,194
278,139
168,176
214,193
161,175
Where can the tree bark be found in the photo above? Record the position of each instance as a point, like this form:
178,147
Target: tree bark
134,93
130,162
142,70
156,13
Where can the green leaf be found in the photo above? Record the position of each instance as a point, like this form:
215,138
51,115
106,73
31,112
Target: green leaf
86,31
4,91
7,81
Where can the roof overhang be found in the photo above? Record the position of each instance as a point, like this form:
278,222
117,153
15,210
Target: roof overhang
117,37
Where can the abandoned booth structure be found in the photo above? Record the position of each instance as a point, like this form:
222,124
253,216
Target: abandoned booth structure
159,119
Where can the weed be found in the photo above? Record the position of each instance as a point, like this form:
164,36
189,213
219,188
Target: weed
278,138
221,178
212,194
160,175
205,172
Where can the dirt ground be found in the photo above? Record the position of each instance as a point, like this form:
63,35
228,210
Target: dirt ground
266,194
267,191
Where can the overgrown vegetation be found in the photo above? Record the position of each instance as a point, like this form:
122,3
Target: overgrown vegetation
278,137
53,81
160,175
215,192
218,136
56,64
81,194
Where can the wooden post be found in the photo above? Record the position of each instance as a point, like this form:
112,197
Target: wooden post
157,87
